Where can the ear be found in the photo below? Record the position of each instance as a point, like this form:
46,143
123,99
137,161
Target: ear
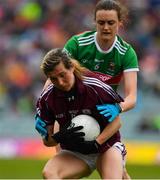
121,24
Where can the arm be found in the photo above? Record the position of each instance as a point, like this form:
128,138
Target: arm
89,147
109,130
49,141
130,90
111,111
65,135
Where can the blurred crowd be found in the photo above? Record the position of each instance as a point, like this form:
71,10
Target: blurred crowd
28,29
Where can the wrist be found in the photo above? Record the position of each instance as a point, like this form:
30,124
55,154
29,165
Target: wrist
120,108
55,137
97,143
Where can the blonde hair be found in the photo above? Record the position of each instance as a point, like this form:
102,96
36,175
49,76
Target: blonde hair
56,56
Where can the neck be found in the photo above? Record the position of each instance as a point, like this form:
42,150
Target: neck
104,44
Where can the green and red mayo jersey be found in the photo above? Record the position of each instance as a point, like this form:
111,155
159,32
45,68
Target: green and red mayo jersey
110,64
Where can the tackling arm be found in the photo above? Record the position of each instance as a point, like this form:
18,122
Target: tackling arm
130,90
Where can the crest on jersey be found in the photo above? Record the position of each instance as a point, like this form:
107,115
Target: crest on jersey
111,66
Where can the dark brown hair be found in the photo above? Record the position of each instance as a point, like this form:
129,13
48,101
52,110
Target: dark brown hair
122,11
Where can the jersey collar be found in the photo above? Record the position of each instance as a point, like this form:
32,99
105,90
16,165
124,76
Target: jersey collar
98,47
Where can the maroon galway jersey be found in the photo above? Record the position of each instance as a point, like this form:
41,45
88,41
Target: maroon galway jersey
55,104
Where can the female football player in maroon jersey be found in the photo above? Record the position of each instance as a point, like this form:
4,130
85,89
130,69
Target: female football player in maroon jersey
76,90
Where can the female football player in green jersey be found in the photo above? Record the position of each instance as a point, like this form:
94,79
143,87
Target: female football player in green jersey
105,52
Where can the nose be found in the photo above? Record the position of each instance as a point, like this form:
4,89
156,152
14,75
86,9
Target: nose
106,25
60,82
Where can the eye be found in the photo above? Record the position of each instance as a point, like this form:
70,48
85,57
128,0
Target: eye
111,22
101,22
53,78
62,75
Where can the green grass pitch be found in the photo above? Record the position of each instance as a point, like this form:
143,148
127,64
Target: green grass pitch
31,169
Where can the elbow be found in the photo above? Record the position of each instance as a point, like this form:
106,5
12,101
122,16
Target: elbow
47,144
131,102
118,122
134,102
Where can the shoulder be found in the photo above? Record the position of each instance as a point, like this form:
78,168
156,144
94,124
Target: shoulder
121,45
45,93
127,55
124,49
122,42
83,37
100,87
78,43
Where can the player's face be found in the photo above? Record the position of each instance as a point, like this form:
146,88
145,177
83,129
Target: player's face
62,78
107,24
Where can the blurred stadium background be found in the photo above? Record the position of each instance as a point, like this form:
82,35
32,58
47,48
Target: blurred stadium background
28,29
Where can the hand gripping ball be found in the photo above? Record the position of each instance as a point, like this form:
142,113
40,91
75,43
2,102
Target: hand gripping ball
90,125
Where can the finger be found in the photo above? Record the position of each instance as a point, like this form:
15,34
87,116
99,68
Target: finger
108,115
42,123
105,111
111,119
100,107
78,140
41,130
43,133
77,128
79,134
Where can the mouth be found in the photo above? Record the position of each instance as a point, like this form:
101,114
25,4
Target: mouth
106,33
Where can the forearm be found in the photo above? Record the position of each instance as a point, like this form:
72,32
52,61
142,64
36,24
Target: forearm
109,131
49,142
130,91
129,103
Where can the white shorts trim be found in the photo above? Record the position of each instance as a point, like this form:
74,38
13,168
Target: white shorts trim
121,147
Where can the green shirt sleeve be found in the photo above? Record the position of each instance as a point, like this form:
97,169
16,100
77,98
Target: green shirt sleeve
130,60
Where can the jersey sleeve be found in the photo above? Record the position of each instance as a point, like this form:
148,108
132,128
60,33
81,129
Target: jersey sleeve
103,91
43,111
108,95
130,61
71,47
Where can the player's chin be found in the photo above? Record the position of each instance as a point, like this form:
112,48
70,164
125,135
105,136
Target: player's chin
106,37
65,88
